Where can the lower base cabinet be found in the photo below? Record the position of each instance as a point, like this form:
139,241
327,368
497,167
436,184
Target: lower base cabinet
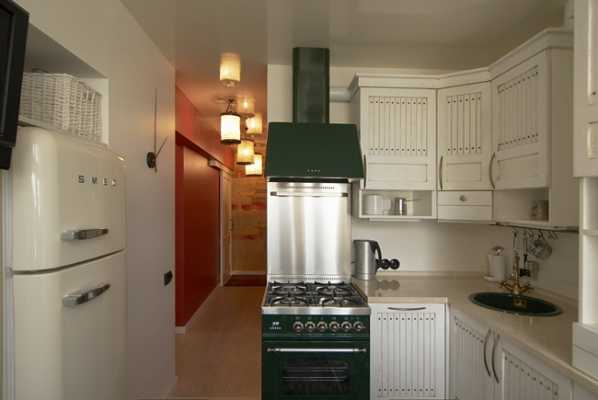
408,344
484,366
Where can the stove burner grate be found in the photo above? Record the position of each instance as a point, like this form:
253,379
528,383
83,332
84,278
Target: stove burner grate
331,301
289,301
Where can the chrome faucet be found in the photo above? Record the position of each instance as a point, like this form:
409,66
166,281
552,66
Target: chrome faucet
513,284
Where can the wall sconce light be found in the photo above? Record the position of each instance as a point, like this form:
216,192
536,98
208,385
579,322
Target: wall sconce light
254,169
230,69
246,105
254,124
230,125
245,152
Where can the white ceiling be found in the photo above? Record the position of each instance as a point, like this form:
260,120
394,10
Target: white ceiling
436,34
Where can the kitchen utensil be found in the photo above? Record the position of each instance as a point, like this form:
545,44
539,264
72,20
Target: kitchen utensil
540,248
399,206
376,204
367,258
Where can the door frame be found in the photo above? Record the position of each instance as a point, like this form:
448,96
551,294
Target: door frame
225,175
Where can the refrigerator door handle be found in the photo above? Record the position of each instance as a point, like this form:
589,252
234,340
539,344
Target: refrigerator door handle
85,295
84,234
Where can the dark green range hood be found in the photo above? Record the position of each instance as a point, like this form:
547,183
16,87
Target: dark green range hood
310,147
313,150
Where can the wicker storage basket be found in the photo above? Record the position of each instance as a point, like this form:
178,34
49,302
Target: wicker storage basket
63,102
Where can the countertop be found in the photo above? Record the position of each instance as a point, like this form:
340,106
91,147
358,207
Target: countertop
548,338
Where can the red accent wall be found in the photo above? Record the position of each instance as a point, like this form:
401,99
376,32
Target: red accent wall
187,124
197,230
197,214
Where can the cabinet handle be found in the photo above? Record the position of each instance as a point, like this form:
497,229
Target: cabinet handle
440,173
365,172
491,170
485,359
494,345
407,308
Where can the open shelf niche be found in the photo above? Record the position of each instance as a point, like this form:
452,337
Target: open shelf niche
45,54
421,204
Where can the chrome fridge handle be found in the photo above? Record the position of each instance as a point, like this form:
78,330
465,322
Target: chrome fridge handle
83,234
485,359
85,295
495,344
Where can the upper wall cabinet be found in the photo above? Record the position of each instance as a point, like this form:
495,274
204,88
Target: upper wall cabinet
532,165
464,137
397,130
521,107
586,88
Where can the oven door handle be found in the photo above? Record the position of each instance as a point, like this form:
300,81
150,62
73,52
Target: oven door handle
314,350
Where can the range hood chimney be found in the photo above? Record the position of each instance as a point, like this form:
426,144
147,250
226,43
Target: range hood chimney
311,85
310,147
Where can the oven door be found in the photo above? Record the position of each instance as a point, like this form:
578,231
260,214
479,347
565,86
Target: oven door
315,370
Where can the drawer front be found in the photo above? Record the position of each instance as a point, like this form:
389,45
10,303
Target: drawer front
465,213
459,198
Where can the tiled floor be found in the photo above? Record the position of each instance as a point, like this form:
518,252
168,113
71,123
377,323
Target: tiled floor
220,355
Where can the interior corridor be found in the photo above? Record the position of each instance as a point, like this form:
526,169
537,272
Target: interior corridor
219,355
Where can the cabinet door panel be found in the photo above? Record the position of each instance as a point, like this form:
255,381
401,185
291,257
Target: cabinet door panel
464,137
586,88
470,376
520,125
522,377
408,351
398,138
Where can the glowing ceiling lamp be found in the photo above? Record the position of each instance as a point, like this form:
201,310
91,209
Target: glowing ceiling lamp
254,169
230,125
230,69
245,152
254,124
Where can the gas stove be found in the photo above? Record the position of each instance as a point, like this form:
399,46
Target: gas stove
315,342
313,298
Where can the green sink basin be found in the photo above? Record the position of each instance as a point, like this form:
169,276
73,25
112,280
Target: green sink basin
510,303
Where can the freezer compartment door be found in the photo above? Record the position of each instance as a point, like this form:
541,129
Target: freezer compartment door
67,350
66,200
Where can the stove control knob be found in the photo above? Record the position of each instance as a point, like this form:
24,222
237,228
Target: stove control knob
298,326
310,326
334,326
359,326
322,326
346,326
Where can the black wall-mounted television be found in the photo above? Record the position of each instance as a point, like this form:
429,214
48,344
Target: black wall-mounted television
14,22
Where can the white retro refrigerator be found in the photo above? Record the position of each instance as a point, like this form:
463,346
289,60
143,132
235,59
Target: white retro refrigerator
64,261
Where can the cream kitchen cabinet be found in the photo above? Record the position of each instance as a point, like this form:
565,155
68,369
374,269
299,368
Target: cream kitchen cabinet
397,129
521,105
586,88
471,376
485,366
579,393
532,139
407,358
464,137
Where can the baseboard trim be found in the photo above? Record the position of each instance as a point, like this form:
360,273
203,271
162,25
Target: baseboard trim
181,330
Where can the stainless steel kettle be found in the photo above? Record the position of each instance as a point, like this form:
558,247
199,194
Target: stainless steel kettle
367,255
